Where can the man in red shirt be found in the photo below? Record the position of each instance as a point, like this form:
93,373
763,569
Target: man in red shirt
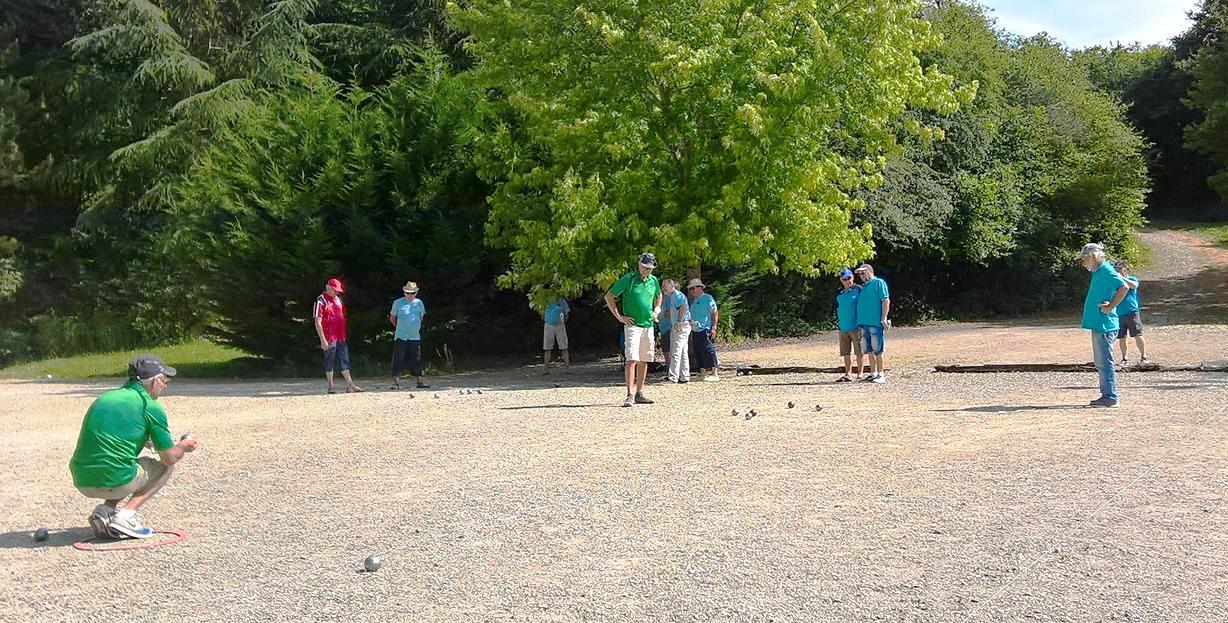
329,315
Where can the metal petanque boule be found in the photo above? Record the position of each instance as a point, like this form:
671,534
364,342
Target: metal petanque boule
791,404
818,407
372,563
185,437
41,535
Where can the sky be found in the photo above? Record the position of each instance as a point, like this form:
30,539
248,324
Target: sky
1083,23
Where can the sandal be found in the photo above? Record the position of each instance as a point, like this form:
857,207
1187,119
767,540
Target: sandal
395,386
332,390
354,390
844,379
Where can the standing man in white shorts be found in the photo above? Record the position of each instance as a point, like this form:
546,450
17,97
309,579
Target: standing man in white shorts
555,332
675,331
640,292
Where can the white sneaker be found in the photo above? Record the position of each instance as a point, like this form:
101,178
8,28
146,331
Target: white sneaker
712,378
99,519
878,378
1144,362
127,523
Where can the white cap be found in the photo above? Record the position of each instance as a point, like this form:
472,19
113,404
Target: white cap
1090,248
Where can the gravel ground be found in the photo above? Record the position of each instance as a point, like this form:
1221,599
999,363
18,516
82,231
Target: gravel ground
931,498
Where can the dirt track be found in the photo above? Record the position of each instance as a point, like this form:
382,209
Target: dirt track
931,498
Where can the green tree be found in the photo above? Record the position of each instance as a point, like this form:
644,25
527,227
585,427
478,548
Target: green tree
1209,93
718,133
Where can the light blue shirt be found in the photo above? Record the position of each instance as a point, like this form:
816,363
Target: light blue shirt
1130,304
409,318
555,312
671,304
701,311
846,308
870,303
1104,286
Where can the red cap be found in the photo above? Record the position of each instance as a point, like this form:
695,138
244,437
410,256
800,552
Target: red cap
335,284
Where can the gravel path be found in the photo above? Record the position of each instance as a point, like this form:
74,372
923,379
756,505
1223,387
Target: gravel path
931,498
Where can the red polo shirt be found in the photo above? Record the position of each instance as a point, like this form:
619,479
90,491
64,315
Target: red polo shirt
329,309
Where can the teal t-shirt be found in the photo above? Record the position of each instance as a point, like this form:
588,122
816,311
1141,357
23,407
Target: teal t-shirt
701,311
1130,304
409,318
638,296
671,311
870,303
555,311
846,308
113,433
1104,286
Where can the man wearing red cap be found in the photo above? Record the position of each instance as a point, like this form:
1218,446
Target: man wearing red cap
329,315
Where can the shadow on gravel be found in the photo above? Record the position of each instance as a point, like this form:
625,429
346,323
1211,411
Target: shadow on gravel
556,406
1013,408
63,537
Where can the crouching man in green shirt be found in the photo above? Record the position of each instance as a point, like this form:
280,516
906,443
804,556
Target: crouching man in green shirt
106,464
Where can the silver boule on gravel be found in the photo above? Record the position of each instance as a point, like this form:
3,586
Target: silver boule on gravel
734,412
185,437
818,407
40,535
791,404
372,563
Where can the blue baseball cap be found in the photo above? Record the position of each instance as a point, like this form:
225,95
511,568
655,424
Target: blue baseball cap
846,273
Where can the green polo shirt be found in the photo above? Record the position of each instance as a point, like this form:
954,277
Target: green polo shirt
112,435
638,296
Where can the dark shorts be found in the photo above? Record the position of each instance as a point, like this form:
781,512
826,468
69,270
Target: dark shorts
337,357
407,353
1131,325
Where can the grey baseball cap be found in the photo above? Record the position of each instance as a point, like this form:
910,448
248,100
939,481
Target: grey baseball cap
1090,249
648,259
145,367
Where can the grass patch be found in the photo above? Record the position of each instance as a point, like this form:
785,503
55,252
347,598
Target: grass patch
197,358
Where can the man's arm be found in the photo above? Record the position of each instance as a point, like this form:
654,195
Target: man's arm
1132,283
886,310
716,317
656,308
176,452
320,332
1121,294
609,302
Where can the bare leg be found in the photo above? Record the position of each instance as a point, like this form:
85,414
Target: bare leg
566,358
1142,346
641,372
630,371
861,366
140,497
1122,345
848,366
329,376
348,381
546,358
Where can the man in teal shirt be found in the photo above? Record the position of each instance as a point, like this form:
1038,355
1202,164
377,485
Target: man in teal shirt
107,464
1104,294
873,306
406,317
1130,316
640,292
554,331
846,319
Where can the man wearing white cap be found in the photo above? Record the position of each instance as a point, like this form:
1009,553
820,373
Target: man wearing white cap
640,291
704,316
1106,291
406,318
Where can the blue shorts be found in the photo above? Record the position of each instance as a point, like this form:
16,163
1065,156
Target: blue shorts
872,339
337,356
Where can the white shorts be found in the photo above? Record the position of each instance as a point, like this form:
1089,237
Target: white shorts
640,345
554,333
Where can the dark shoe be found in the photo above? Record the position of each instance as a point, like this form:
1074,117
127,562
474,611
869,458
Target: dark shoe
641,400
422,385
395,386
332,390
844,379
1104,402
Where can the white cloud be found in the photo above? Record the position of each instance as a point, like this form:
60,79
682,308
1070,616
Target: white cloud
1094,22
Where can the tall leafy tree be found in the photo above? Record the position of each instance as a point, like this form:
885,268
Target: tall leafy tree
730,132
1209,92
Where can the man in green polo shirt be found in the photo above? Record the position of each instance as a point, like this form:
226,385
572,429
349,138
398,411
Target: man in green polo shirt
641,305
106,463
